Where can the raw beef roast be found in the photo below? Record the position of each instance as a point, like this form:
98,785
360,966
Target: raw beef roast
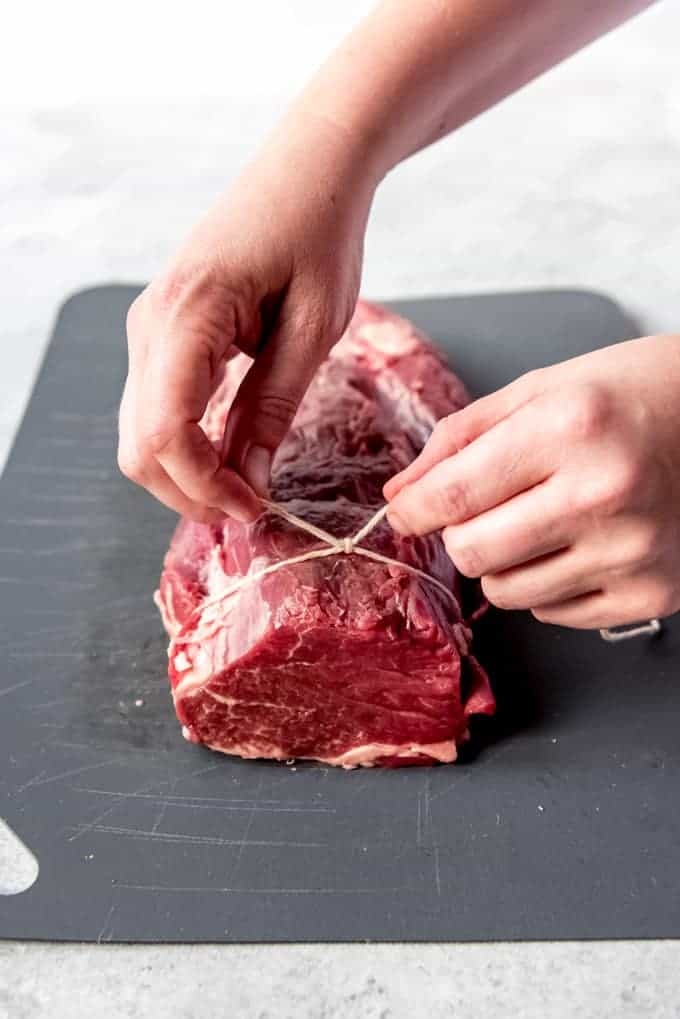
343,659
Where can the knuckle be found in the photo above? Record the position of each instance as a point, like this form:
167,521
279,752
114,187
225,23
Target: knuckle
169,290
575,498
155,441
644,544
276,409
451,432
617,486
443,427
319,322
528,386
624,483
452,502
586,412
207,343
131,465
214,308
532,380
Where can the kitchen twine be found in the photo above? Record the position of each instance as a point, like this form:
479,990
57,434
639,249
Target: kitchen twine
351,545
334,546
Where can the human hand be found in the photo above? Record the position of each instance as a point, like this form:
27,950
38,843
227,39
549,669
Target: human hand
274,271
562,490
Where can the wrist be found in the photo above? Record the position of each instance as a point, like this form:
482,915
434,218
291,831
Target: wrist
356,145
320,152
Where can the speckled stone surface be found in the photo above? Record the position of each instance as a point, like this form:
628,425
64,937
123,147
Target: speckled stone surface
624,980
574,182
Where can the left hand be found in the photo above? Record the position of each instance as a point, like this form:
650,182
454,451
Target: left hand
273,270
562,490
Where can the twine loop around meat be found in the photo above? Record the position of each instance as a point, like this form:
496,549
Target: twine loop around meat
348,545
351,545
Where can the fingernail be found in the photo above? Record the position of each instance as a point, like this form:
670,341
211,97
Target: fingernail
390,486
256,469
396,523
243,516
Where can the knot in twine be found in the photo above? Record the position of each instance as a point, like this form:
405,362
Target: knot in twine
351,545
348,545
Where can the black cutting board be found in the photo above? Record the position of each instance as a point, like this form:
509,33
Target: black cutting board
561,822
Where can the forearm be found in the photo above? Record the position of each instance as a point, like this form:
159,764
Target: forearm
414,70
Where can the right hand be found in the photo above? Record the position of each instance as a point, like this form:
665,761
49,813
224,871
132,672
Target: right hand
274,271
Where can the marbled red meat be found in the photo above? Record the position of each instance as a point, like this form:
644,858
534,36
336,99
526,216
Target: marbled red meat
343,659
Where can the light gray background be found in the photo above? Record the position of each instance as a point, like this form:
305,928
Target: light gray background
114,136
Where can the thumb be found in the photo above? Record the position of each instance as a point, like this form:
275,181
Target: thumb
268,398
458,430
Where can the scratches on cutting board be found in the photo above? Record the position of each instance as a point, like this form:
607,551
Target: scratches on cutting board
246,831
424,815
461,776
431,833
204,771
16,686
163,805
200,840
172,783
44,705
426,832
427,809
106,932
216,802
44,779
437,875
163,801
234,890
160,816
83,829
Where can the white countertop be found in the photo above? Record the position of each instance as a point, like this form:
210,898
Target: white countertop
574,182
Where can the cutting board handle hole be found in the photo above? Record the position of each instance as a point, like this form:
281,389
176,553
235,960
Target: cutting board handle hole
18,865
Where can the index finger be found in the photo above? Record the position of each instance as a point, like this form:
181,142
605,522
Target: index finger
458,430
509,458
179,376
193,463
